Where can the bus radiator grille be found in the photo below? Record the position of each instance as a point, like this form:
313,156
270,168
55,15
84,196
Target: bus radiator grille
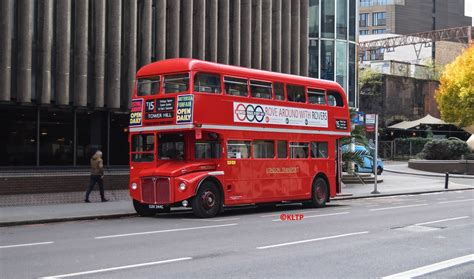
163,191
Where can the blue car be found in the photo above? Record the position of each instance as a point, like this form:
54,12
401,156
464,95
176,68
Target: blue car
368,160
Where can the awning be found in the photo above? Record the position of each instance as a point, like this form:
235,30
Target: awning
427,120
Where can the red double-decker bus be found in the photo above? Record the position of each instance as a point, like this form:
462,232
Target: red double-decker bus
208,135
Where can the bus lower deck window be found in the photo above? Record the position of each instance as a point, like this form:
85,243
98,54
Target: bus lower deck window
298,150
171,147
263,149
319,150
281,149
238,149
207,150
143,148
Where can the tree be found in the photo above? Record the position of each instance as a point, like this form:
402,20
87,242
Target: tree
455,95
370,82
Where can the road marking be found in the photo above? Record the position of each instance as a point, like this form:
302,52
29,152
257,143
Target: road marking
116,268
164,231
457,201
311,240
27,244
396,207
211,220
314,216
442,220
432,268
372,205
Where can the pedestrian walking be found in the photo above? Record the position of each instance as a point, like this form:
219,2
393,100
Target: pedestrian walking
97,175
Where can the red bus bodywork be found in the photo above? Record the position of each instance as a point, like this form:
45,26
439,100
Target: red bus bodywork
219,117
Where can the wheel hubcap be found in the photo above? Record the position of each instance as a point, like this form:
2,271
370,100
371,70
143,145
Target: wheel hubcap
320,193
209,199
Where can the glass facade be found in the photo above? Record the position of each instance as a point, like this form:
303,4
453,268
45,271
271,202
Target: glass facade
333,34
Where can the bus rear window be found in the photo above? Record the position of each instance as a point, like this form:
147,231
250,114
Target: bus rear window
171,147
208,83
148,86
143,148
319,150
335,99
176,83
235,86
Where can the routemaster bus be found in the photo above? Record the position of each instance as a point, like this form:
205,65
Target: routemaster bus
208,136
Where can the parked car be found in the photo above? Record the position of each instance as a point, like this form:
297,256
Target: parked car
367,166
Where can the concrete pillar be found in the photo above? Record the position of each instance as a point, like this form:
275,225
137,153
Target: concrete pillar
276,36
114,24
285,36
246,25
223,29
99,54
6,20
304,34
212,55
160,30
257,34
25,42
267,35
199,38
145,11
80,52
63,50
236,33
130,47
172,38
46,43
187,30
295,37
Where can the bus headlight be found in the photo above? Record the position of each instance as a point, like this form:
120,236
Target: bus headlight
134,186
182,186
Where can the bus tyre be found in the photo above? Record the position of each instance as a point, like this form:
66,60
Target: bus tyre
320,193
208,202
143,210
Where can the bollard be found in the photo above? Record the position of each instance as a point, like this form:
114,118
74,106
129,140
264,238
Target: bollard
446,180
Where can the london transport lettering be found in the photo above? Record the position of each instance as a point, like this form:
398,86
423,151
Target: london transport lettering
266,114
136,112
282,170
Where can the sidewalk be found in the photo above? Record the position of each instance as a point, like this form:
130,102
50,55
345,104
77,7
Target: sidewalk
120,204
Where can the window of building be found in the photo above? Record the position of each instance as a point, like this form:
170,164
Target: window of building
313,18
378,31
341,19
235,86
261,89
327,18
171,146
363,20
295,93
143,148
148,86
238,149
352,75
316,96
352,20
263,149
278,90
327,60
281,149
298,150
364,32
341,64
56,137
207,150
313,69
209,83
378,19
319,150
366,3
176,83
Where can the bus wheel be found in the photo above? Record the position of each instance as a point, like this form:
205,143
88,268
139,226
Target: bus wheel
320,193
208,202
143,209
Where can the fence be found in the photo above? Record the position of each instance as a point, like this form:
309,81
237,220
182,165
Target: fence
401,149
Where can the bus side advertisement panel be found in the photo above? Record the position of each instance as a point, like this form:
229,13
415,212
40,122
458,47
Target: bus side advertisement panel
267,114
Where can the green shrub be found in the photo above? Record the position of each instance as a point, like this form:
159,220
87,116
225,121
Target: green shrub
444,150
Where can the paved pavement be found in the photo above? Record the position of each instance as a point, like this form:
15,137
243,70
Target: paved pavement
398,180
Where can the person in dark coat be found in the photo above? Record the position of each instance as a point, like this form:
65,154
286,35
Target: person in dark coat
97,176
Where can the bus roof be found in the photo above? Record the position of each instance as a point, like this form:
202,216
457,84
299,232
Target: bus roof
175,65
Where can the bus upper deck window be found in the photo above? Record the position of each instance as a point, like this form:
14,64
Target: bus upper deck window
209,83
278,89
176,83
316,96
235,86
261,89
295,93
335,99
148,86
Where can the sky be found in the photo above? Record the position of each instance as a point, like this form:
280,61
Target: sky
469,9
